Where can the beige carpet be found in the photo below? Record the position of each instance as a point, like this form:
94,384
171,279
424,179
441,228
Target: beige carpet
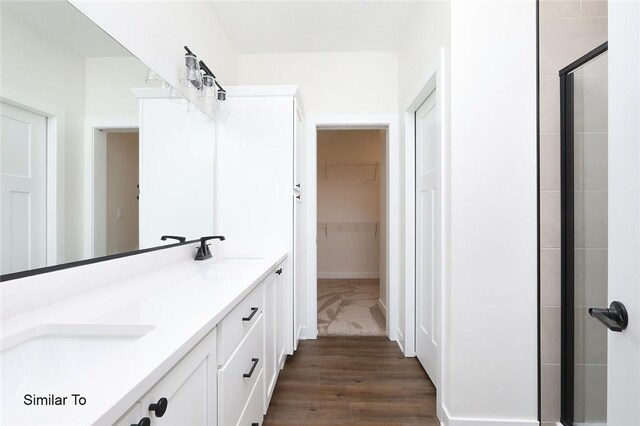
349,307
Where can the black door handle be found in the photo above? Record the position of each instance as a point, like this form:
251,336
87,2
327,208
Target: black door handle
250,317
253,367
159,407
145,421
615,318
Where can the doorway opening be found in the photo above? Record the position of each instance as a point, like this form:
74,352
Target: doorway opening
352,232
116,191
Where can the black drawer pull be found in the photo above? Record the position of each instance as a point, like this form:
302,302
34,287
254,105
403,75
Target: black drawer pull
159,407
255,424
145,421
253,367
279,271
250,317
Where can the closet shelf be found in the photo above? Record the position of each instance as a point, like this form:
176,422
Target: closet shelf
363,172
349,225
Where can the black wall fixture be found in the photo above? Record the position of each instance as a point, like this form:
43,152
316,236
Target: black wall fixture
200,76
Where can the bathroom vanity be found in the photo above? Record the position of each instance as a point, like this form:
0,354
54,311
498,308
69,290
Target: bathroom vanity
176,342
104,318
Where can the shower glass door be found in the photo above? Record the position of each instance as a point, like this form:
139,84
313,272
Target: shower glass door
584,238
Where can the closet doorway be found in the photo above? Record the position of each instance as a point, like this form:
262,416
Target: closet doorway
352,232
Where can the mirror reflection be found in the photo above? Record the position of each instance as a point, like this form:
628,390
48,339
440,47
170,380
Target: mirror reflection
98,156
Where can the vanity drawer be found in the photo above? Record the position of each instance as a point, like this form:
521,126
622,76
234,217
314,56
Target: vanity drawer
238,377
238,322
252,414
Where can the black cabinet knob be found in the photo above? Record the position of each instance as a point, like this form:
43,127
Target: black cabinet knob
297,185
145,421
160,407
279,271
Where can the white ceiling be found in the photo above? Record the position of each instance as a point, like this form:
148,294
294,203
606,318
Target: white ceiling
62,22
315,26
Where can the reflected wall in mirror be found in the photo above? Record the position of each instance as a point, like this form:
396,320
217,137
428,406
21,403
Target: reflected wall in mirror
98,156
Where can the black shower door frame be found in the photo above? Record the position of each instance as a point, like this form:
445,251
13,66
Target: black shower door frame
567,300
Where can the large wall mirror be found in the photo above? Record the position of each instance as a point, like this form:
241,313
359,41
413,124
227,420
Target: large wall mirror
98,156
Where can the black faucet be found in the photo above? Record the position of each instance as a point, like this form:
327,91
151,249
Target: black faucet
203,251
173,237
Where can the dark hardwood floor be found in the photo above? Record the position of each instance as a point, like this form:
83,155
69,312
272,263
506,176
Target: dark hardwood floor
352,380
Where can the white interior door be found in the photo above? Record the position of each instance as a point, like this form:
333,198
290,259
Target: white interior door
23,176
428,231
623,370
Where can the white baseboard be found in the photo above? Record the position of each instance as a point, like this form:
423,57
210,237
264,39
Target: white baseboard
348,275
308,334
447,420
400,340
468,421
382,307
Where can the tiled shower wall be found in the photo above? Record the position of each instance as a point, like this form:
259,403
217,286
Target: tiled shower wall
568,30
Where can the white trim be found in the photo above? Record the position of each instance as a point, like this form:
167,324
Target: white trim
55,193
348,275
331,122
400,339
382,307
90,126
447,420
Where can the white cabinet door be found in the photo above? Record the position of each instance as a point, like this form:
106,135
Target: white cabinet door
281,324
23,189
427,235
623,367
131,417
189,389
298,268
270,360
176,154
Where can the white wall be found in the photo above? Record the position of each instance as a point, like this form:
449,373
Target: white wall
109,84
330,82
491,326
349,203
156,33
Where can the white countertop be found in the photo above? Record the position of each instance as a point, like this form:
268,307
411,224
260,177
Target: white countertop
171,308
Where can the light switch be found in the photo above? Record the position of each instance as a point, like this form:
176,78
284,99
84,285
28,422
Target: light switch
118,213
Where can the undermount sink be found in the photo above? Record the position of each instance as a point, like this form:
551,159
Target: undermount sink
50,352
